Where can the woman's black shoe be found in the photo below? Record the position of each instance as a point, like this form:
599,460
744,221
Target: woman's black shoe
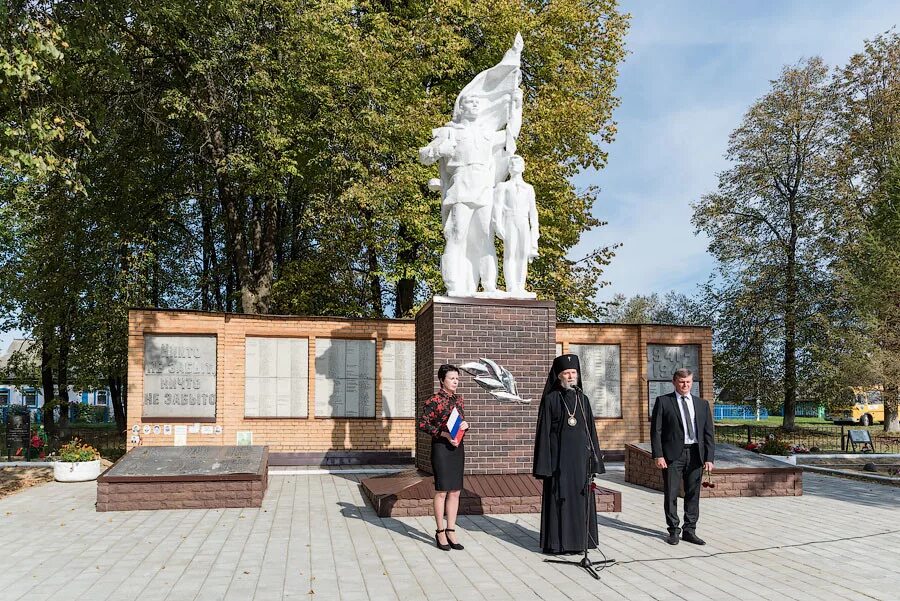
453,545
438,542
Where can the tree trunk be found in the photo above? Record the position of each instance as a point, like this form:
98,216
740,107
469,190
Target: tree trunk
62,381
118,404
891,400
790,327
47,389
406,286
372,259
255,283
210,282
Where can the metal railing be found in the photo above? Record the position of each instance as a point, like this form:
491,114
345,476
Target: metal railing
108,441
819,438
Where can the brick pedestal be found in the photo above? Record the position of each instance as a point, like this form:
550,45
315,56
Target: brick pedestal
519,335
753,477
411,494
145,479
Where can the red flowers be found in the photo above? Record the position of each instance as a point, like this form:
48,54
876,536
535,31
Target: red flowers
36,442
708,483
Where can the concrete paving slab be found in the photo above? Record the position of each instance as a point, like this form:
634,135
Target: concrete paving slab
316,538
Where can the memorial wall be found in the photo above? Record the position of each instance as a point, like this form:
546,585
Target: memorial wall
316,385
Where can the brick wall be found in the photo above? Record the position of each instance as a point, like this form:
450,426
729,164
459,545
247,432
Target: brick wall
634,425
518,335
280,434
311,434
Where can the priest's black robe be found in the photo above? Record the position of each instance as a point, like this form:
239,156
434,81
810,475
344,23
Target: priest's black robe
561,456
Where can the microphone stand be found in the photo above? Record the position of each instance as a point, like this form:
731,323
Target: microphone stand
585,562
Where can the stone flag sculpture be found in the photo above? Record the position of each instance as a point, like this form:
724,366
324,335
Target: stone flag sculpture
473,152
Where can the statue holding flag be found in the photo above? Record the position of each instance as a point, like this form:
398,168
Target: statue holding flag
473,152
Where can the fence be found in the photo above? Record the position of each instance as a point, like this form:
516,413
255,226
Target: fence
824,438
804,409
79,413
109,441
738,412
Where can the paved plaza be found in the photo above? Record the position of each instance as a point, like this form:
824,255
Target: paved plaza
315,538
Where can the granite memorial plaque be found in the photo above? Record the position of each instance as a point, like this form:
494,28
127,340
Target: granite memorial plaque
398,378
195,461
179,377
18,433
276,377
662,361
601,376
345,378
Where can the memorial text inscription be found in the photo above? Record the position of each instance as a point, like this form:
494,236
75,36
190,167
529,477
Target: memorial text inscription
276,377
345,378
398,381
601,376
179,376
662,361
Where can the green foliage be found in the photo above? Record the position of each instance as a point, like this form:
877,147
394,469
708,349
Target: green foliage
765,223
88,414
262,157
673,308
867,225
806,228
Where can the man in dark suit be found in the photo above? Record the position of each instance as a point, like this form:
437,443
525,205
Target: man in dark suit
683,443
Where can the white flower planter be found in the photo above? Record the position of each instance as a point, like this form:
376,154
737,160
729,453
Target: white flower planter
77,471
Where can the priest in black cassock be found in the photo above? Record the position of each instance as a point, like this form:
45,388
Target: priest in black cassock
566,453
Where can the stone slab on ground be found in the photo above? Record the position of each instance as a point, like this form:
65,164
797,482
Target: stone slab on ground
411,493
150,478
737,473
315,537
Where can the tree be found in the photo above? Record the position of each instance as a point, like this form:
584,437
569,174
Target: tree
866,227
765,222
673,308
261,156
303,121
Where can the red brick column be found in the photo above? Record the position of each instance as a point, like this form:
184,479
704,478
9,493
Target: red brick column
520,335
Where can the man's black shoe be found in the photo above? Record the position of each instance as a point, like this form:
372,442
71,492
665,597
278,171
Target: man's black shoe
692,538
672,539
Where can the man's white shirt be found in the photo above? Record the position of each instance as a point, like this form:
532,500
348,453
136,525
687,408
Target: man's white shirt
691,416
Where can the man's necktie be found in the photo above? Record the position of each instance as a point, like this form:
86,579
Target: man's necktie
688,422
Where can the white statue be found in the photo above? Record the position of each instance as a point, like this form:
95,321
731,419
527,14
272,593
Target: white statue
515,220
473,153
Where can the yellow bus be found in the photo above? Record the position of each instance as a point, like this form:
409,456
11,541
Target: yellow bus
867,408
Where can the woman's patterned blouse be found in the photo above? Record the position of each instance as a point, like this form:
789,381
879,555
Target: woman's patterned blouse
437,410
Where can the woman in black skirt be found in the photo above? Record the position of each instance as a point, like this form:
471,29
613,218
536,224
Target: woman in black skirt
447,457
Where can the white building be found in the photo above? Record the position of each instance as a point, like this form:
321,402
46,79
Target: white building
31,395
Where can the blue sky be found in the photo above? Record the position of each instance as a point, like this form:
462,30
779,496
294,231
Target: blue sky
692,71
693,68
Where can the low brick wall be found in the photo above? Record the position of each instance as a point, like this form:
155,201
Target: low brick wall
411,494
767,481
207,494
